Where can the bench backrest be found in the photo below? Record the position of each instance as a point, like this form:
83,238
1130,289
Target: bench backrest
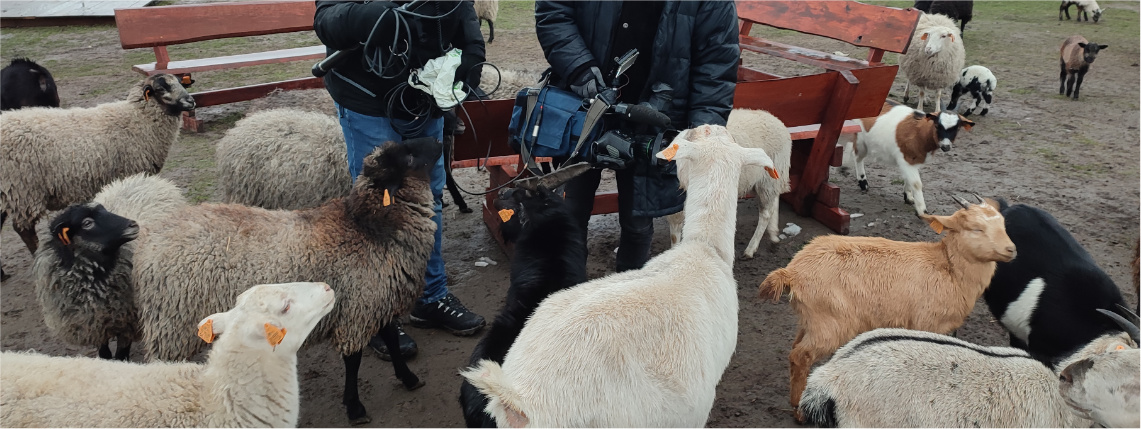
876,27
172,25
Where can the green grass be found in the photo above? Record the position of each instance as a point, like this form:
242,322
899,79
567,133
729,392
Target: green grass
193,158
515,15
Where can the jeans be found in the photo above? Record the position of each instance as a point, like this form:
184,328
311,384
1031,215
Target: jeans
637,231
364,133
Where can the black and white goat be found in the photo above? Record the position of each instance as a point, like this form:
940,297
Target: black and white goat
27,84
548,253
977,81
1048,297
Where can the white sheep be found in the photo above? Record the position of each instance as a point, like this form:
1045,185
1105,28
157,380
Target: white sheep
904,378
1084,8
372,246
843,286
506,83
249,379
283,159
934,58
643,347
56,157
1104,388
757,129
980,83
487,10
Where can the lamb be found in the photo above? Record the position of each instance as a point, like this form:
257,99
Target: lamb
506,83
58,157
959,10
980,83
81,283
1077,56
903,378
487,10
548,245
1049,298
249,379
1084,7
642,347
906,137
934,59
306,163
372,246
1104,387
27,84
756,129
843,286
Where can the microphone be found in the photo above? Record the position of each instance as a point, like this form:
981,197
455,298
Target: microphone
647,115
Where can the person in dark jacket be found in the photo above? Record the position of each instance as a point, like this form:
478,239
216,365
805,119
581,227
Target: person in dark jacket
375,105
691,46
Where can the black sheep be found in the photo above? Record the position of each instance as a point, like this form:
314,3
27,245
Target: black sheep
958,10
26,84
548,242
1049,296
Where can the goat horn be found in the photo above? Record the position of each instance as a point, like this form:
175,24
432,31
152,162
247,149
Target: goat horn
530,183
1132,316
981,200
961,202
1125,325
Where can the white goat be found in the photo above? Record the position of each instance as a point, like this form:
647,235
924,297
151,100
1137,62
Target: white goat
644,347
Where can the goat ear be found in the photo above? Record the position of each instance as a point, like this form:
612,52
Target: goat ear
928,116
939,223
965,123
563,175
210,327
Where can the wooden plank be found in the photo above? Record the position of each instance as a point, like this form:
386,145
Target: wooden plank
856,23
250,92
487,121
172,25
495,160
835,218
801,55
803,100
851,126
745,74
56,22
235,61
66,9
605,202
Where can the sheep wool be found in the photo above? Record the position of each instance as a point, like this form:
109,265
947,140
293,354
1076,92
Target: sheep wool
933,70
283,159
142,198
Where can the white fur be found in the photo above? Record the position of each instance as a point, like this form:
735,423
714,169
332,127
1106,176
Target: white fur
644,347
1018,313
1107,390
934,58
987,83
879,144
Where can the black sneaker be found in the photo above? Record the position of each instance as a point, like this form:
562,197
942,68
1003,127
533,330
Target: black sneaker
447,313
407,347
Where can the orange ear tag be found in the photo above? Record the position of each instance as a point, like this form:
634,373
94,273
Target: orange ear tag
935,225
147,95
387,199
506,214
63,236
772,172
186,80
274,335
1120,347
670,152
206,331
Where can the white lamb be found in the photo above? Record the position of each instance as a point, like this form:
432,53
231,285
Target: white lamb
249,380
934,58
644,347
756,129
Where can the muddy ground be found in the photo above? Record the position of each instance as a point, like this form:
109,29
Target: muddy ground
1076,159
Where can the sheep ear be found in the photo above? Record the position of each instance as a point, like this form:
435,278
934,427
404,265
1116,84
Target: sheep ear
939,223
680,144
147,92
1102,46
923,37
758,158
210,327
1081,45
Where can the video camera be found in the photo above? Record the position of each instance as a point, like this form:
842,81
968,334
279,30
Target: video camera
619,149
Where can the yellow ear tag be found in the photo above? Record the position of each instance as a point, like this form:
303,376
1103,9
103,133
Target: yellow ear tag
206,331
772,172
506,214
935,225
387,199
274,335
63,236
670,152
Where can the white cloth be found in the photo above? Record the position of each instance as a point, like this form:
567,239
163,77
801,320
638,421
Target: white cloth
437,78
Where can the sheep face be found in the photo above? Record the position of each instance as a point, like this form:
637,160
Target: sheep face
947,126
1090,50
937,38
1097,15
165,90
92,230
712,142
982,230
1104,387
271,317
388,164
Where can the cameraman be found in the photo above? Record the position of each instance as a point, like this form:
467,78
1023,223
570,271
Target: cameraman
375,105
689,45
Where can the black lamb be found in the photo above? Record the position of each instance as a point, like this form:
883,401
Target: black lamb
548,242
23,83
1049,296
958,10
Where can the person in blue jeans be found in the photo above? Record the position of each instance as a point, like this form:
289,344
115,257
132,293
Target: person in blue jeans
375,105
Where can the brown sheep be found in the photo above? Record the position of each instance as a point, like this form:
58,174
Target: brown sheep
1077,55
843,286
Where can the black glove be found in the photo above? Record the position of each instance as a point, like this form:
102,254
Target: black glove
588,83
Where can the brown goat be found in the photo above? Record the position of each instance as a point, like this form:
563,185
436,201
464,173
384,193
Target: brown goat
841,286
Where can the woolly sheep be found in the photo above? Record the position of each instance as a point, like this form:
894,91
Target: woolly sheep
980,83
843,286
488,10
757,129
23,83
1084,8
249,379
57,157
1104,388
1077,56
934,58
903,378
82,285
506,83
372,246
643,347
283,159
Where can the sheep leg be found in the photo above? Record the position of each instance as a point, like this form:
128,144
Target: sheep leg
1078,83
391,339
861,174
676,221
1070,83
1063,7
490,31
29,237
358,415
1062,78
938,100
122,348
921,96
105,351
906,91
762,224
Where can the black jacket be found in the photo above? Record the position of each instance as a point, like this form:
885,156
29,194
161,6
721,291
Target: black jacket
344,25
695,52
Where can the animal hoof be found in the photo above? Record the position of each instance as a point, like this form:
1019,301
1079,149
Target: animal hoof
983,113
358,415
362,420
414,384
747,256
863,185
4,276
465,209
799,417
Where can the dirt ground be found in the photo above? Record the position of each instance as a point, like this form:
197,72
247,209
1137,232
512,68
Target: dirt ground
1076,159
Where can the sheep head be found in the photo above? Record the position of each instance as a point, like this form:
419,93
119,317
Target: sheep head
91,230
390,163
166,91
1090,51
980,228
937,39
271,317
713,146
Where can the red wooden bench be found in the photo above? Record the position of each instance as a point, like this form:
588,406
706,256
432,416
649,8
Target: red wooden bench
817,108
162,26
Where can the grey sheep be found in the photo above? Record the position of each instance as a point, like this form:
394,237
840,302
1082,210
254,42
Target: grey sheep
371,246
56,157
283,159
487,10
934,58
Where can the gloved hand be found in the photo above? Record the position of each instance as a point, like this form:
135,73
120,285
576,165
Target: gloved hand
588,83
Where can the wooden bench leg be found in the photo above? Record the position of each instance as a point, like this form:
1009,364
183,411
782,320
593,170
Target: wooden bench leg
190,122
815,175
